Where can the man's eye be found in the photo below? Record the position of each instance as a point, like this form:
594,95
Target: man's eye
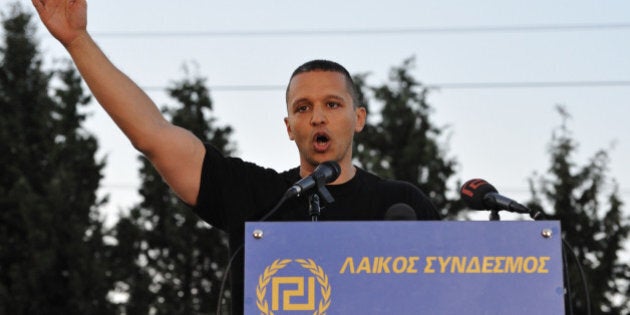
301,109
333,104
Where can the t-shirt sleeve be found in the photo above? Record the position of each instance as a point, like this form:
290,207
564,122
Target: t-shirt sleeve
425,209
420,202
233,191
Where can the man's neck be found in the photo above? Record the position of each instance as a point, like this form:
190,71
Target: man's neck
347,173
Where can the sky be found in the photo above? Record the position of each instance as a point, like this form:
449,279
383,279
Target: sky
497,133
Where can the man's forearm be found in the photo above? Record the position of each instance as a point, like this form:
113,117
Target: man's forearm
130,108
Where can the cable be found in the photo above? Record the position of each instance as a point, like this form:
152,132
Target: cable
567,282
374,31
225,276
587,296
275,208
440,86
229,265
540,84
541,216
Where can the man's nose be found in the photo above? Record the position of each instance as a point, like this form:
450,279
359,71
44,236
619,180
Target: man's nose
319,115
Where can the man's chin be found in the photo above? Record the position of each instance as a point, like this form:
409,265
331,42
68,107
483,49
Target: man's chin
317,159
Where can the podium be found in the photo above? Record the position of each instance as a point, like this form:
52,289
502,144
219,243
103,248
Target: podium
403,267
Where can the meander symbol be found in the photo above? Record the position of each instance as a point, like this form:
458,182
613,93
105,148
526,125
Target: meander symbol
268,275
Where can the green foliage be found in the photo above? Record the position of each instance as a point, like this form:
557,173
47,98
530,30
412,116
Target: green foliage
405,144
592,222
50,234
170,261
166,261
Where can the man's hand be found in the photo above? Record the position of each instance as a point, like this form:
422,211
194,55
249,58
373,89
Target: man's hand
175,152
66,20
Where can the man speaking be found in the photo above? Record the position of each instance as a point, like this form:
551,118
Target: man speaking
323,114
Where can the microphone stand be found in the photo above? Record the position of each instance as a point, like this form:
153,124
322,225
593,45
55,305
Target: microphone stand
494,215
313,207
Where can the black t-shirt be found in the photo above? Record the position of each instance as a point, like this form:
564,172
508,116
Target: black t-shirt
233,191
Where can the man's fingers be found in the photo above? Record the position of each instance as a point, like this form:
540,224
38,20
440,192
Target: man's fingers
46,8
43,5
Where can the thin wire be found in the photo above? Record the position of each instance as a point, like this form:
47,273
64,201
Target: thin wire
587,296
374,31
540,84
439,86
229,265
567,278
225,276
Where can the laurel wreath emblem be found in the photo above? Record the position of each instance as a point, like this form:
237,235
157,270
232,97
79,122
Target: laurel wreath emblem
277,265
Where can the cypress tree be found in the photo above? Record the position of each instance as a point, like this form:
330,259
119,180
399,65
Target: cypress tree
178,260
404,143
51,237
588,206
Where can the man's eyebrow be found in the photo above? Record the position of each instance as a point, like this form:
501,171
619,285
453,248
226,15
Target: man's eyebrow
303,100
299,101
333,96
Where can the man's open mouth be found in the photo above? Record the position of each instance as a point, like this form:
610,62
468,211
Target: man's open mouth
321,142
321,138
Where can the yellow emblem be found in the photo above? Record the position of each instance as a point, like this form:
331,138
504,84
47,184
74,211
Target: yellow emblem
301,290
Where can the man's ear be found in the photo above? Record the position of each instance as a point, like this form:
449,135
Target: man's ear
289,131
361,113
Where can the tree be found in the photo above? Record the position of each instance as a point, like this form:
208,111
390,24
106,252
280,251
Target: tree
177,260
50,232
405,144
592,222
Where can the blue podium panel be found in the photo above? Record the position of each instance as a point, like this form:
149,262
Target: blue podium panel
403,267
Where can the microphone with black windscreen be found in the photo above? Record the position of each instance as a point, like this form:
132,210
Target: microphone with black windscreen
323,174
478,194
400,212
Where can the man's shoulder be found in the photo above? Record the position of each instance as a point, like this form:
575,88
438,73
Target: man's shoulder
387,192
383,183
366,176
235,166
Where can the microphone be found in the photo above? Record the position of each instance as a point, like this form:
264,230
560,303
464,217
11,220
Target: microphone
480,195
324,173
400,212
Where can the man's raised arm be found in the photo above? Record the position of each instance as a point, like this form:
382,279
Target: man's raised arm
176,153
